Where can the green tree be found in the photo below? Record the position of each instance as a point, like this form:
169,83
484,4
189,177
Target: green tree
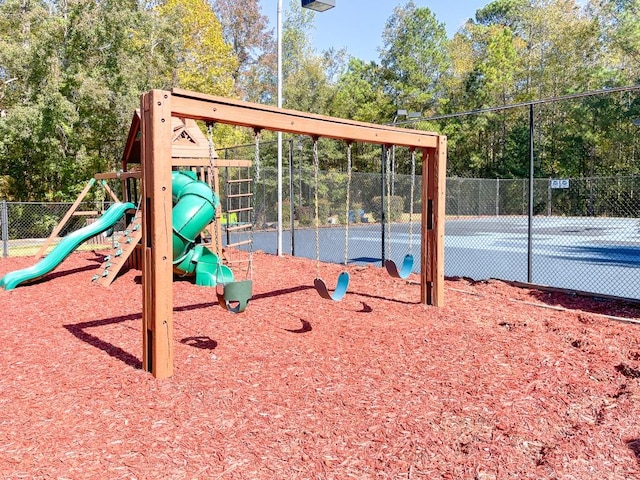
204,61
309,76
618,23
71,74
360,93
415,58
37,141
246,30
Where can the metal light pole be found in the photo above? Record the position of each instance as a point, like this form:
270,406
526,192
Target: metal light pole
279,104
318,6
636,123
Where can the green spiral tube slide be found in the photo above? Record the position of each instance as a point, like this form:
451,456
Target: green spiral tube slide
194,207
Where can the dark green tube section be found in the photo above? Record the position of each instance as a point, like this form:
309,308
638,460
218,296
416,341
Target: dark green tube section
194,208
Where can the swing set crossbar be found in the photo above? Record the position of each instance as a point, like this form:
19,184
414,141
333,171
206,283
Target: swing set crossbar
264,117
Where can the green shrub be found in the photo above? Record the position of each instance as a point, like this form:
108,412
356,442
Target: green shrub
306,214
393,211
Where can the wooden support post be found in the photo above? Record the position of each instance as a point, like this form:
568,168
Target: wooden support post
434,171
426,224
157,268
439,185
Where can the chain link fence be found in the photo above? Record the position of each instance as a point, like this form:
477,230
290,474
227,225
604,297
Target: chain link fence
584,233
25,226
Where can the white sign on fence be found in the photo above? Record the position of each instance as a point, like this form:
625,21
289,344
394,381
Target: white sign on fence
559,183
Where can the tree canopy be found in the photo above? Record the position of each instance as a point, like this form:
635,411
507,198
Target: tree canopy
71,73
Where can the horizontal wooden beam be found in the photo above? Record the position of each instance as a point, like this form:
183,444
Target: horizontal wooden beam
252,115
204,162
119,175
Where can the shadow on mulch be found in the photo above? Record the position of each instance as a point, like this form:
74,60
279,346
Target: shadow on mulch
63,273
79,331
589,303
283,291
202,342
306,327
367,308
634,446
275,293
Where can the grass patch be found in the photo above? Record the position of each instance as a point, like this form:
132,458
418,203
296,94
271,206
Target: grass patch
31,250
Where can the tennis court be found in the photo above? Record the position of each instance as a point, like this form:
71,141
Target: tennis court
597,255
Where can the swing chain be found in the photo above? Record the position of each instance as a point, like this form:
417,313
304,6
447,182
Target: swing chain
346,237
211,155
388,186
413,184
256,176
316,167
216,234
256,163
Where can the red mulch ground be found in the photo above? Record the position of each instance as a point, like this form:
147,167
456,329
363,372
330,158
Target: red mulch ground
491,386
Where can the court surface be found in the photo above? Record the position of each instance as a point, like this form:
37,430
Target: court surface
598,255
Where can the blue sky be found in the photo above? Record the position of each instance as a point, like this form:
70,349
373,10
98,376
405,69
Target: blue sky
357,25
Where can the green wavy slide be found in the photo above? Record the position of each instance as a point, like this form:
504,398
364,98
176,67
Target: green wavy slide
67,245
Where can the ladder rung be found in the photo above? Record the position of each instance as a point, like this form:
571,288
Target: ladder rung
240,210
235,228
238,195
241,180
237,244
237,262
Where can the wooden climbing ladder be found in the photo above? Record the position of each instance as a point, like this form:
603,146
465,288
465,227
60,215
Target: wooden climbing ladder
123,247
238,218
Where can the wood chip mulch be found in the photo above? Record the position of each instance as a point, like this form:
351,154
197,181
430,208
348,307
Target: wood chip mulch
501,383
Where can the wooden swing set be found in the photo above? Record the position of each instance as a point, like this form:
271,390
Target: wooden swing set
157,109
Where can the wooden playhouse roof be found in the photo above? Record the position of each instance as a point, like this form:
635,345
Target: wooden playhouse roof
188,141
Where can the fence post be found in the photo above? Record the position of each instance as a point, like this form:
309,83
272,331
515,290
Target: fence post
383,216
4,222
497,197
530,213
291,200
